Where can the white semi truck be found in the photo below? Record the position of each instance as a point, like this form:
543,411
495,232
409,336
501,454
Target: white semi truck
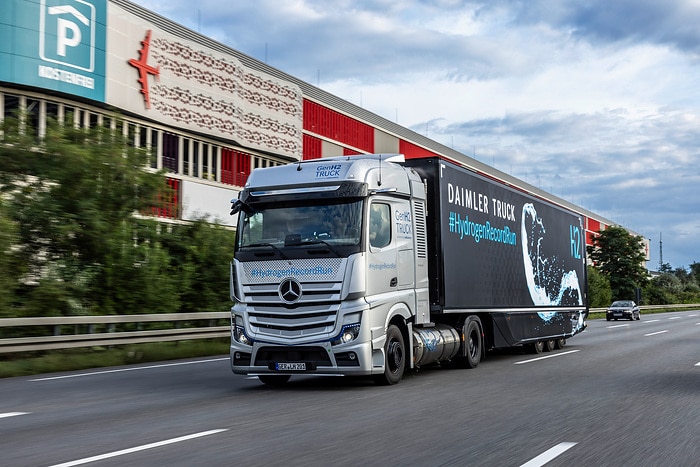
372,265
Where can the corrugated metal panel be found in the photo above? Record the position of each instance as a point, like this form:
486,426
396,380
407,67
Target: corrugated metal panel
312,147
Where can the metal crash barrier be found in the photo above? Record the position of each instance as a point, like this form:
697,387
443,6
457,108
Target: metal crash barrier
49,333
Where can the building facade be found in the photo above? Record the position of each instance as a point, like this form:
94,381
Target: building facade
208,114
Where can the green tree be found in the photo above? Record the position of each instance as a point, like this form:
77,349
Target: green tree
73,197
620,257
10,266
695,272
599,292
202,250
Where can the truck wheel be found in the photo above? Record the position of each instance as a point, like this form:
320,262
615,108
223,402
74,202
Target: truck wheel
560,343
474,342
274,380
473,345
394,358
550,345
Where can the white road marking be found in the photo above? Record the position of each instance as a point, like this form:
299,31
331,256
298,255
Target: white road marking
546,356
674,317
549,454
651,320
617,326
13,414
138,448
697,364
120,370
655,333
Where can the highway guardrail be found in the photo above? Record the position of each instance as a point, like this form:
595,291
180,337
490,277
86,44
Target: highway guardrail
90,331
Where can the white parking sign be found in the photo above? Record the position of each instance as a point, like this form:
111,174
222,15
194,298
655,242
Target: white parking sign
67,33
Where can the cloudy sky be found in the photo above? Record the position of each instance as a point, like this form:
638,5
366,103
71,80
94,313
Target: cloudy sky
595,101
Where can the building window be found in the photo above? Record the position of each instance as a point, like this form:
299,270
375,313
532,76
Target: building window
170,158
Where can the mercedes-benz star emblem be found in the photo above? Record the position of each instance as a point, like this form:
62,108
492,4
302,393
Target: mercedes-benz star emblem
290,290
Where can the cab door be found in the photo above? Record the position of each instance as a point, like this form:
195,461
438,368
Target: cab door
390,258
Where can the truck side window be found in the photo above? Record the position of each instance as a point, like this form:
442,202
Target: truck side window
379,225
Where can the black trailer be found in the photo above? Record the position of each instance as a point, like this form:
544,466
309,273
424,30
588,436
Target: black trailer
510,258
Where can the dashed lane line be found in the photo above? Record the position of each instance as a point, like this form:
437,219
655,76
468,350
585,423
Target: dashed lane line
655,333
138,448
549,455
121,370
13,414
545,357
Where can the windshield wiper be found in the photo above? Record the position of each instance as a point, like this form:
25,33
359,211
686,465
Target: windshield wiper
253,245
318,240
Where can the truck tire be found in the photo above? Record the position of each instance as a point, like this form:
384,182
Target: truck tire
474,343
274,380
536,347
394,358
561,342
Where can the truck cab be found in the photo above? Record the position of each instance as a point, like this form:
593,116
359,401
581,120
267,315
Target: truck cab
328,257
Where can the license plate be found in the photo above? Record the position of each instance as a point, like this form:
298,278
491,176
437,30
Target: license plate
286,366
617,314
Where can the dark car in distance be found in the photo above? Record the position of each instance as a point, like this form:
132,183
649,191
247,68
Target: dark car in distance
620,309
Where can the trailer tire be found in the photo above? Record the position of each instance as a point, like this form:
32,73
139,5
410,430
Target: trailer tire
550,345
536,347
560,343
274,380
394,358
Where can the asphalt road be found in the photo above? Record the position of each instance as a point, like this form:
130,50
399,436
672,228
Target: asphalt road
620,394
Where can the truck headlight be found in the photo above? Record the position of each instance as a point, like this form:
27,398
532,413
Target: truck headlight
240,336
347,334
238,331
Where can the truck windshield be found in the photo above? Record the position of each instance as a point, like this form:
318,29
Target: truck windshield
336,223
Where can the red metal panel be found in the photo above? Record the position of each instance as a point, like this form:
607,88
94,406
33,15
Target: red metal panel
413,151
168,200
235,167
312,148
338,127
592,225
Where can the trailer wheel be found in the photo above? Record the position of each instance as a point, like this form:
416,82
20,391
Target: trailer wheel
274,380
560,343
536,347
394,358
550,345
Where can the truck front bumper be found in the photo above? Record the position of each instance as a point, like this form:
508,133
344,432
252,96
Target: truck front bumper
321,359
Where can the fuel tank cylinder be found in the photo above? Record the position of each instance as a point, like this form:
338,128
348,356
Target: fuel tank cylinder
435,344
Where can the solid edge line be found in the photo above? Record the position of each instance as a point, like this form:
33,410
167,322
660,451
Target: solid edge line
13,414
138,448
549,454
120,370
545,357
